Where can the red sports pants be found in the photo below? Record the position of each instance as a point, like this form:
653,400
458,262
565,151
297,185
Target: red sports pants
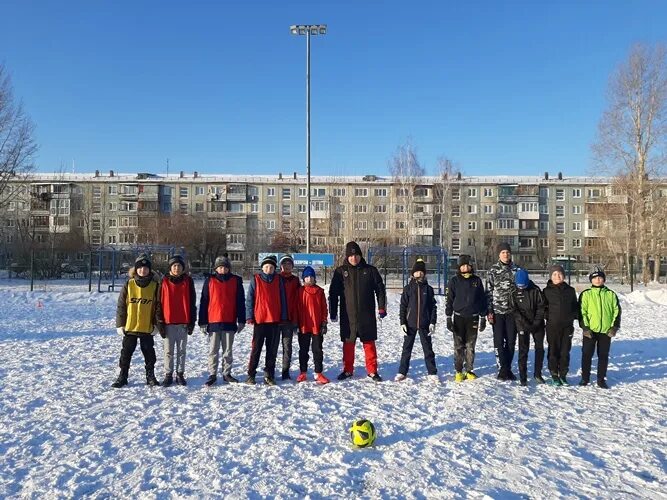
369,351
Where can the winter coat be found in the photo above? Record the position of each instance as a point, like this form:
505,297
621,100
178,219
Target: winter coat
266,301
465,296
356,288
561,304
136,307
418,306
599,310
176,301
292,286
529,305
311,309
499,287
222,303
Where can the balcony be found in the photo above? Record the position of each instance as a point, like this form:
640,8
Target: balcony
421,231
529,215
319,214
528,232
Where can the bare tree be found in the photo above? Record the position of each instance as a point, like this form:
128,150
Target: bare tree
407,173
17,145
443,196
632,138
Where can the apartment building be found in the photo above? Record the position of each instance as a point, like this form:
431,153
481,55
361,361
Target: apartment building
542,217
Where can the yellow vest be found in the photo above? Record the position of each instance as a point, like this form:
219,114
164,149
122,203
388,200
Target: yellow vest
140,307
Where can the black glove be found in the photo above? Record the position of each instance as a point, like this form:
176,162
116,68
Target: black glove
612,332
482,323
191,328
537,326
161,330
587,333
323,328
450,324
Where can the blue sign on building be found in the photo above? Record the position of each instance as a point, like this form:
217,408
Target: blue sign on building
305,259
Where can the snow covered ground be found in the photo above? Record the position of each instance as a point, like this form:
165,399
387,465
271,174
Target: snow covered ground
65,433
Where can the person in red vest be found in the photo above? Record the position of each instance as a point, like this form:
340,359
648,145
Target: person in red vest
288,328
221,316
266,308
176,313
312,322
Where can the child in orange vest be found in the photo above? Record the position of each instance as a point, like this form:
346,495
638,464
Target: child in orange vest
266,308
288,328
312,322
176,313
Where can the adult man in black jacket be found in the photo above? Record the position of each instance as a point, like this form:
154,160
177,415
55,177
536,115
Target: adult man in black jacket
465,299
356,285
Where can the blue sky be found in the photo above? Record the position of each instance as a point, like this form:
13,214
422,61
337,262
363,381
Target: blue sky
500,87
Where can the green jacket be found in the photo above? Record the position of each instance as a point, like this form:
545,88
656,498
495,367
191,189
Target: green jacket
599,310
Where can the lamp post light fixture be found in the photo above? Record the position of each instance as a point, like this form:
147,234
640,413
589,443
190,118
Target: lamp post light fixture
308,30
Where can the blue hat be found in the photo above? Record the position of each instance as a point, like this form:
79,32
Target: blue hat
521,278
308,271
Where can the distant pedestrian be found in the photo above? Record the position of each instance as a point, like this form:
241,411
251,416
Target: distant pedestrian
221,316
418,316
356,285
135,319
466,309
176,315
560,313
600,320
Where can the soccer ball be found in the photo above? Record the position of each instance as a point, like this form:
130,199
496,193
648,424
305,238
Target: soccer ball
362,433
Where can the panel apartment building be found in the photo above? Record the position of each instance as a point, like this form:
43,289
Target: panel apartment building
542,217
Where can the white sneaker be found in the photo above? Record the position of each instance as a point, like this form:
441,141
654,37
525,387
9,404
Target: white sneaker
399,377
433,378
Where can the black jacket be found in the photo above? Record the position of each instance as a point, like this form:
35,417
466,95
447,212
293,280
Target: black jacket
528,306
356,288
562,308
418,305
465,296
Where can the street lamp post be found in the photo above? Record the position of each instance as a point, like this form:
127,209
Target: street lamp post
308,29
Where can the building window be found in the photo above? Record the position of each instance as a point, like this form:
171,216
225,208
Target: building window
360,192
380,225
488,225
111,239
472,209
183,192
526,242
360,225
560,211
506,224
576,209
544,242
97,192
560,194
456,211
576,193
576,226
339,192
488,192
270,208
544,192
472,192
506,209
199,207
301,208
400,209
270,224
544,209
560,245
112,223
96,225
594,193
254,208
456,227
318,192
402,192
528,207
400,224
594,224
456,194
303,192
456,244
380,209
287,194
576,243
286,210
319,206
472,225
544,225
112,189
488,209
360,209
199,190
183,208
270,192
381,192
560,228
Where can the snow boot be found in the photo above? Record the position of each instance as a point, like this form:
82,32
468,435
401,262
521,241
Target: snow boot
523,382
583,383
344,375
375,377
539,379
212,379
285,375
150,378
168,380
510,376
121,380
602,384
269,381
180,378
230,378
555,380
250,380
459,377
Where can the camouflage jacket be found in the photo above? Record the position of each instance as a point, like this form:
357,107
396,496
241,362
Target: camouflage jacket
500,287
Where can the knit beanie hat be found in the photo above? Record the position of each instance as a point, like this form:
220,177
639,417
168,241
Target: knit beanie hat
420,265
286,258
143,260
464,260
521,278
222,261
269,259
308,271
597,271
556,267
176,259
503,245
352,249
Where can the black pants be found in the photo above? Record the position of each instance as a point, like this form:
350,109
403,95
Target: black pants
465,338
603,343
286,333
524,347
427,345
504,341
264,334
130,344
305,342
559,338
